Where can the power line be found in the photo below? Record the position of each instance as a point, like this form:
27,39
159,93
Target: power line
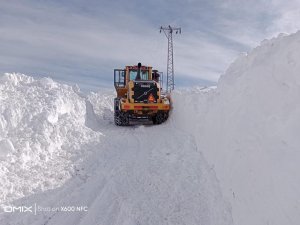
170,61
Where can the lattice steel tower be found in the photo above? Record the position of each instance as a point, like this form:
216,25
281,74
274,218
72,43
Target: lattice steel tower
170,63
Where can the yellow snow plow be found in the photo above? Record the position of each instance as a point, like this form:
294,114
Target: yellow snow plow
139,95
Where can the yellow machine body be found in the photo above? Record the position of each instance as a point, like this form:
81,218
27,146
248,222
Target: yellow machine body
139,95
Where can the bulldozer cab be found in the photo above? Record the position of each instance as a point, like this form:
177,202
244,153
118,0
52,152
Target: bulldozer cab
123,76
131,73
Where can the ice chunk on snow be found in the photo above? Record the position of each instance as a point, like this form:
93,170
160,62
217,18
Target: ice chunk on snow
6,147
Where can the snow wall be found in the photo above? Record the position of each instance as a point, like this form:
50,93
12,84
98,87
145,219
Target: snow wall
43,130
248,130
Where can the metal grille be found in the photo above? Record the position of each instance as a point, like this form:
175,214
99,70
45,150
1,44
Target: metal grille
142,91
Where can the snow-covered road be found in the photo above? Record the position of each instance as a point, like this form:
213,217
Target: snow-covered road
136,175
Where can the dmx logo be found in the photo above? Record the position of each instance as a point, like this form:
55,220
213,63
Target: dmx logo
34,209
20,209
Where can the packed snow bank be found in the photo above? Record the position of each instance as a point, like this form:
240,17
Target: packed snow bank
102,103
248,129
42,129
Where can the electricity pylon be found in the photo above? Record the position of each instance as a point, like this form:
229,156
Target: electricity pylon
170,62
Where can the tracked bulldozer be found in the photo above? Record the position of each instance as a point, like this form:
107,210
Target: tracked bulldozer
139,96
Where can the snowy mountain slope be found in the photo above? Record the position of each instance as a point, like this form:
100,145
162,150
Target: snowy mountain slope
125,175
248,131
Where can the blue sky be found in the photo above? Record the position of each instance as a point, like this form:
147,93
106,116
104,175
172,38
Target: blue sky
82,41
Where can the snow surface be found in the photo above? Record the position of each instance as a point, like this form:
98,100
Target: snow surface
227,155
76,156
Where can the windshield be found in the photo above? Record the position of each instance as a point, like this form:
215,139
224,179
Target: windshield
144,74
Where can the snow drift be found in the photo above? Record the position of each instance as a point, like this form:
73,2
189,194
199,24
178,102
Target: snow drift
42,126
248,129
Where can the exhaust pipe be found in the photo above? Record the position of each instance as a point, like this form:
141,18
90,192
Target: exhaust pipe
138,76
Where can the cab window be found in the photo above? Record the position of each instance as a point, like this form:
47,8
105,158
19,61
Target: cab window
132,74
119,78
144,74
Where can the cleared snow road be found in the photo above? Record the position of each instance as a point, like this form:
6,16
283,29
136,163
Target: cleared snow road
136,175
